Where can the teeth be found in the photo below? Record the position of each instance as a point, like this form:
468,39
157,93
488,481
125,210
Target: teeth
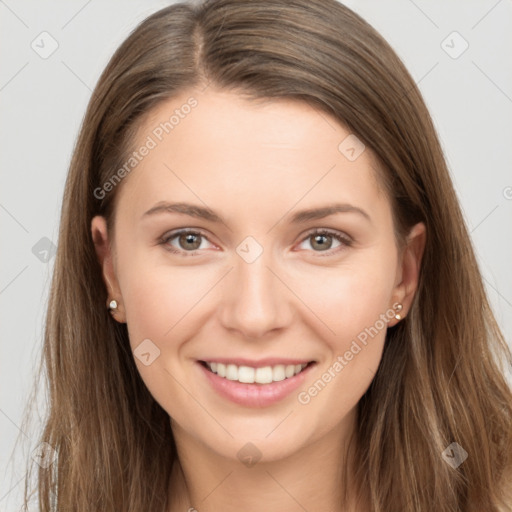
250,375
221,369
278,372
231,372
246,374
263,375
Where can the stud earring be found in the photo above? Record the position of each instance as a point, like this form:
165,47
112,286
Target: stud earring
112,306
398,308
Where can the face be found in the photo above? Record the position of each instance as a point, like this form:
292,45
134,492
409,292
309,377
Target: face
251,273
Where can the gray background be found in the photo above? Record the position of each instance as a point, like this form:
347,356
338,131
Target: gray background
43,101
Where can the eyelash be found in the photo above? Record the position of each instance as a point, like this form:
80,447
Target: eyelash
342,238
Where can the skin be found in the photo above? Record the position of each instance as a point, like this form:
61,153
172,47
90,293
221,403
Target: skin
255,164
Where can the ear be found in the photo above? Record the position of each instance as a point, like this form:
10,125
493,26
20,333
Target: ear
409,269
103,247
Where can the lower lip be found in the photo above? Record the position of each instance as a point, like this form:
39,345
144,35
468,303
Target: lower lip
255,395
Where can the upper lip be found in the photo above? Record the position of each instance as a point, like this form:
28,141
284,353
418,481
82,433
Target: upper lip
272,361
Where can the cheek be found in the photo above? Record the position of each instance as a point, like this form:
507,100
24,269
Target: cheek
158,295
359,321
350,297
162,305
353,304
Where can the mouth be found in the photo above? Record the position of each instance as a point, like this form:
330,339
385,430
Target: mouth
247,374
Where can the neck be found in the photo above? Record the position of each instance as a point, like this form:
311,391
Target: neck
315,477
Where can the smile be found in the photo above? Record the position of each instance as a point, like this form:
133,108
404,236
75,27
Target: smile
255,384
251,375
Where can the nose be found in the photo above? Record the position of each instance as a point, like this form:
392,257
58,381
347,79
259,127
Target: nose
254,300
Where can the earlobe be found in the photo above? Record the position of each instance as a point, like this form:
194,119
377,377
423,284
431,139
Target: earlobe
410,268
102,245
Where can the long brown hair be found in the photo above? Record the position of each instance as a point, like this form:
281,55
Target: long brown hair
441,378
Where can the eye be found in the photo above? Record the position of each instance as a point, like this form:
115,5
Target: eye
322,239
188,241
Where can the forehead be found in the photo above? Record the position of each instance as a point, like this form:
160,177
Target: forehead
219,118
218,146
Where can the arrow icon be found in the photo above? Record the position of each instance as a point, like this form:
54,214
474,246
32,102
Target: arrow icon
351,147
44,44
249,455
454,45
44,250
44,455
147,352
454,455
249,253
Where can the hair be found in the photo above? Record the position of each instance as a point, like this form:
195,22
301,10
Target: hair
441,378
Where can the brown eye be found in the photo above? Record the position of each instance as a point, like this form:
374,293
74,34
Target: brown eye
189,241
322,240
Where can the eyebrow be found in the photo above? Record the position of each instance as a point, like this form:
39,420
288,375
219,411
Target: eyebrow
201,212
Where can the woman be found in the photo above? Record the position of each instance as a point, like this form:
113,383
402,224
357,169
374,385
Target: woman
326,343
